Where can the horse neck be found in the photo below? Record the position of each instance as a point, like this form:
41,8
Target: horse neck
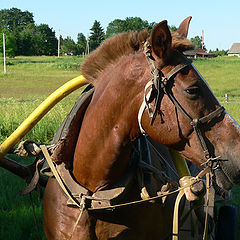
108,129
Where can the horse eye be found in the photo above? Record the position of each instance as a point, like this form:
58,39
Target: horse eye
193,91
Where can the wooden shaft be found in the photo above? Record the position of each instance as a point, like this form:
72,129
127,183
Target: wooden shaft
20,170
14,167
180,164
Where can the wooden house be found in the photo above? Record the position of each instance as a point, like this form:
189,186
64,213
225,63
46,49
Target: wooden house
234,50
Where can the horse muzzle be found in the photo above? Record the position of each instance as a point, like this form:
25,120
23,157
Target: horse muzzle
227,174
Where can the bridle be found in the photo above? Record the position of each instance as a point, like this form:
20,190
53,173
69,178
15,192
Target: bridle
159,86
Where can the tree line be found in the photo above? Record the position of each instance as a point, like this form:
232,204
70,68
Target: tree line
24,37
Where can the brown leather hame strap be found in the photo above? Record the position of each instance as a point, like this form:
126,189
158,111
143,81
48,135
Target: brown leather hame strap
57,176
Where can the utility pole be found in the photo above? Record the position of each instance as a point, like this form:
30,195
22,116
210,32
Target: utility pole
4,54
87,46
202,39
59,43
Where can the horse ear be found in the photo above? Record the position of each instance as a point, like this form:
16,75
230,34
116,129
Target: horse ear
183,28
161,40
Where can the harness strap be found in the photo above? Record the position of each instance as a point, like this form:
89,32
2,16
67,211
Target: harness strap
196,122
207,200
159,83
145,105
57,176
175,215
212,115
155,82
175,70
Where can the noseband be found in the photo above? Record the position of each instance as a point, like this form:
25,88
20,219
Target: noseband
159,87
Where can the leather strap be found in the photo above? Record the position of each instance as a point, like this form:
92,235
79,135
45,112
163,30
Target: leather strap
207,201
175,215
145,105
57,176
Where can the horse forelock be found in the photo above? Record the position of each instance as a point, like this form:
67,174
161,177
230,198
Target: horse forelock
120,45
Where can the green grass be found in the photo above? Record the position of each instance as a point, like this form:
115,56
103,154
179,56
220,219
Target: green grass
37,77
221,73
14,111
29,80
223,76
16,214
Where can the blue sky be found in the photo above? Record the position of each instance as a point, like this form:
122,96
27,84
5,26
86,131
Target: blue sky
220,20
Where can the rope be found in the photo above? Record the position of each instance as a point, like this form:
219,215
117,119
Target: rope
82,208
193,180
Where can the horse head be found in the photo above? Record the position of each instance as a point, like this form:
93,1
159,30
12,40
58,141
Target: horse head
146,85
188,117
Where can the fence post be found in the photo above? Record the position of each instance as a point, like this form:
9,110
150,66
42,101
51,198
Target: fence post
226,98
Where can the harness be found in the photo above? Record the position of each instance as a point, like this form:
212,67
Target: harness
159,86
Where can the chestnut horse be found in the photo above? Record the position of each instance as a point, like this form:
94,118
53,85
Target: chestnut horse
186,117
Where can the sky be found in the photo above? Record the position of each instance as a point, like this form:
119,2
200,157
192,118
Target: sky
219,20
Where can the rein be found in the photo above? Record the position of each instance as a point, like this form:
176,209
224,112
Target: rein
159,85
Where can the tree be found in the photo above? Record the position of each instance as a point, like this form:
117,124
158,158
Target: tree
10,42
173,28
30,39
26,41
137,24
218,52
37,40
14,19
197,41
129,24
81,43
68,46
96,35
46,41
115,27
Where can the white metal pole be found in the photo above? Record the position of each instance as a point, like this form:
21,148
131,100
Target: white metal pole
4,54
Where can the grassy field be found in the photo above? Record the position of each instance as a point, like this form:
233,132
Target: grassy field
29,80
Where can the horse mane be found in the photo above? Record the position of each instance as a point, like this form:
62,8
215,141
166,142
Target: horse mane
119,45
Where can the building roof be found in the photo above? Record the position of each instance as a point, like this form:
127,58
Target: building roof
202,52
197,52
235,48
189,53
